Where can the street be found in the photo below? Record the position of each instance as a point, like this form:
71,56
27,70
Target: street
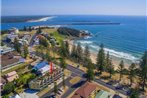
78,72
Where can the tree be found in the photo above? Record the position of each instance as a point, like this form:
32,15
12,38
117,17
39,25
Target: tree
107,61
5,96
30,29
63,66
23,80
47,56
90,72
67,48
121,68
110,68
73,51
79,53
17,45
39,30
55,88
143,67
86,55
43,42
25,51
134,93
63,63
101,59
63,82
25,28
63,49
8,88
132,72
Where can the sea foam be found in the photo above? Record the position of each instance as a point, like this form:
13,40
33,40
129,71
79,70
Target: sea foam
112,52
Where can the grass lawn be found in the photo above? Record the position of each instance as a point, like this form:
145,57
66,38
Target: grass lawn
30,32
75,80
55,33
49,30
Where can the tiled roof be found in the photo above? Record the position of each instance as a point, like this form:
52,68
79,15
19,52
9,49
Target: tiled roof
11,73
85,90
10,79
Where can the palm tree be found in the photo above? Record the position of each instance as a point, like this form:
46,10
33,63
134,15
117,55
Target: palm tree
143,67
121,68
132,72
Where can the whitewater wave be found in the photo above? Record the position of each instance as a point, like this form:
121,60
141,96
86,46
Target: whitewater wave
118,54
42,19
114,53
84,42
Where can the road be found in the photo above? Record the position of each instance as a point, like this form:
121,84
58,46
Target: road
31,41
78,72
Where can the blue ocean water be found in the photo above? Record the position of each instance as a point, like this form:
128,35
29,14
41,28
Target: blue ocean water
126,40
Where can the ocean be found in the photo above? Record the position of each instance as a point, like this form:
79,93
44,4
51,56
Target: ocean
125,37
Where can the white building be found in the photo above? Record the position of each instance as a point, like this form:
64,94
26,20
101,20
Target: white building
5,49
13,31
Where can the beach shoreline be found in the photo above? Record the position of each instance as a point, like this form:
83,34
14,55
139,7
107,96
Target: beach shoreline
93,57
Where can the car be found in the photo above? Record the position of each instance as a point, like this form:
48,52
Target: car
119,87
110,83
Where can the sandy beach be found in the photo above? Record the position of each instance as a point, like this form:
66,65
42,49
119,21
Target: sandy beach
93,57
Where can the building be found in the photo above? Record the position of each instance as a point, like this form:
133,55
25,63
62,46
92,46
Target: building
5,49
23,42
103,94
10,59
13,31
88,90
15,96
43,67
11,76
43,81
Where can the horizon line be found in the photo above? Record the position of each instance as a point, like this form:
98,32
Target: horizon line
74,15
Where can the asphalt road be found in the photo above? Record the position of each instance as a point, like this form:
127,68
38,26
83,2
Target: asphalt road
70,90
31,41
78,72
81,74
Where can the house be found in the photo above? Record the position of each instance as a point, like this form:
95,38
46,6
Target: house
11,76
23,42
11,37
10,59
13,30
103,94
2,83
88,90
5,49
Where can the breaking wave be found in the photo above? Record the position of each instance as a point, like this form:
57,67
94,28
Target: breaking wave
115,53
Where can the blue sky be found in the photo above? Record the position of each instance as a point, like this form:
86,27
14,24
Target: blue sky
73,7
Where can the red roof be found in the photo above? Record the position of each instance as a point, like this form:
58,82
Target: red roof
85,90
